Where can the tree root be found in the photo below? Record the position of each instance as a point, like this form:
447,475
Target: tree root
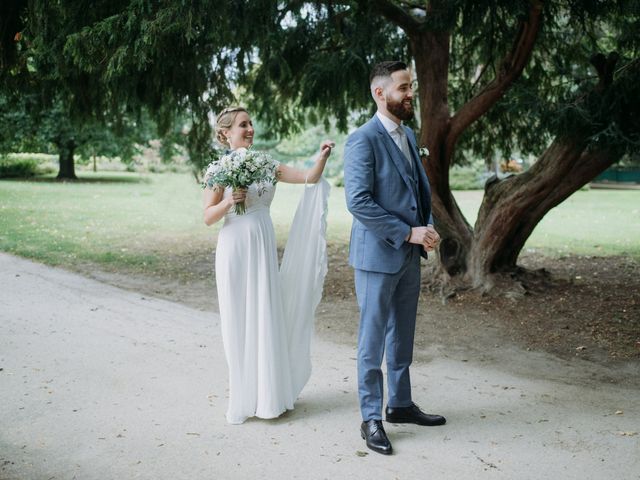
513,284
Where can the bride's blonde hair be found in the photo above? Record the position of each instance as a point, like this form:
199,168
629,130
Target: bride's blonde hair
224,121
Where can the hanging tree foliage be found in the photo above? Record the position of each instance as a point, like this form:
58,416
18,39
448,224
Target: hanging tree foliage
48,105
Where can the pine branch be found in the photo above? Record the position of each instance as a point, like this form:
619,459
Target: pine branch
416,5
510,69
389,10
396,15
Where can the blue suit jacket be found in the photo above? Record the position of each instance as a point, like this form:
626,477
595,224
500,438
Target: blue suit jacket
385,196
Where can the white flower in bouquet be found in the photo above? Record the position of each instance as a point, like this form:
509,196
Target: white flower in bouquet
239,169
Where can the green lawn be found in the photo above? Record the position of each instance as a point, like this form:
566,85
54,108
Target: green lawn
590,222
140,221
120,218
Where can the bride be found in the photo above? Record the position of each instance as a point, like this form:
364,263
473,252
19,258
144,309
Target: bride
266,313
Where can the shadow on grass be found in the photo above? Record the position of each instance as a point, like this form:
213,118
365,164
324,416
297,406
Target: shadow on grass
114,178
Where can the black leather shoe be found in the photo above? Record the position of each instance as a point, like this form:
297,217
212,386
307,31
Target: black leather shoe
413,414
373,432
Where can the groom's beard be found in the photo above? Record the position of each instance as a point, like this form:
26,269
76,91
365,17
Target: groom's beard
402,110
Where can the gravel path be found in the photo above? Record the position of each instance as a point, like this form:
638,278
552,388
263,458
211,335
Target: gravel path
102,383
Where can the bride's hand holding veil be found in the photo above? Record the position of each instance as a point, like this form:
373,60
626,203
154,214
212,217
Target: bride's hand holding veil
288,174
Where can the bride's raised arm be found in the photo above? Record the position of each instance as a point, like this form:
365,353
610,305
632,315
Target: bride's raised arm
288,174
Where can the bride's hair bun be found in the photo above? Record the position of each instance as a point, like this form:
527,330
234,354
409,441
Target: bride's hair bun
225,120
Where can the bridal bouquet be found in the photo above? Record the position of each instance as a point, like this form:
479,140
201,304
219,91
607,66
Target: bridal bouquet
239,169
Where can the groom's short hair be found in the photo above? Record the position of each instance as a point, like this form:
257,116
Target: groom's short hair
385,69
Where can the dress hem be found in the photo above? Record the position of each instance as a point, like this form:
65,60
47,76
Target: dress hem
261,416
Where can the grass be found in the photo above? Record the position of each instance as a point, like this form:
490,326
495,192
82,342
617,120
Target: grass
119,218
128,221
590,222
143,222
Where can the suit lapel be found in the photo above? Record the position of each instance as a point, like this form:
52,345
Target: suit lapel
424,189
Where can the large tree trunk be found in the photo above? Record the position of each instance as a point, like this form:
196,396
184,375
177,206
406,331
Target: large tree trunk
66,149
512,207
440,131
431,54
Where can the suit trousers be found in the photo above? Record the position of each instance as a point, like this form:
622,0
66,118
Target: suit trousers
388,305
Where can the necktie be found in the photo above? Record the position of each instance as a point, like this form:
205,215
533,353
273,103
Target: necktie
403,144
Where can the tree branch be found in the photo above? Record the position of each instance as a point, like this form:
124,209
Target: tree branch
590,164
397,15
605,66
389,10
510,69
416,5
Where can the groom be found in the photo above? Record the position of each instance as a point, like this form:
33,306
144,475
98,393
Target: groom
389,197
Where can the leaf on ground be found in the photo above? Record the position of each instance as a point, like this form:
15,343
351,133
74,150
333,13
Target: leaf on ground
628,434
360,453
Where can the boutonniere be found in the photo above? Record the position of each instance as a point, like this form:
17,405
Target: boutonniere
424,152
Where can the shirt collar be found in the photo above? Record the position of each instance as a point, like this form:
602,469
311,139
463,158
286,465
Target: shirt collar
388,124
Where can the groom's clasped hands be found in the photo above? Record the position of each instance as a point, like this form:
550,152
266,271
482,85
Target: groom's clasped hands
425,236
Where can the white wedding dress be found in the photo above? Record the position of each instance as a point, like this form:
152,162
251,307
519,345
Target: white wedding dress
267,313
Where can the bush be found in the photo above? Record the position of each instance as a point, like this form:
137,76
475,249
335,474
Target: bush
460,178
18,167
465,178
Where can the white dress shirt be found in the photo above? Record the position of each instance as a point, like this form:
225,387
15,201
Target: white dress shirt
398,135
